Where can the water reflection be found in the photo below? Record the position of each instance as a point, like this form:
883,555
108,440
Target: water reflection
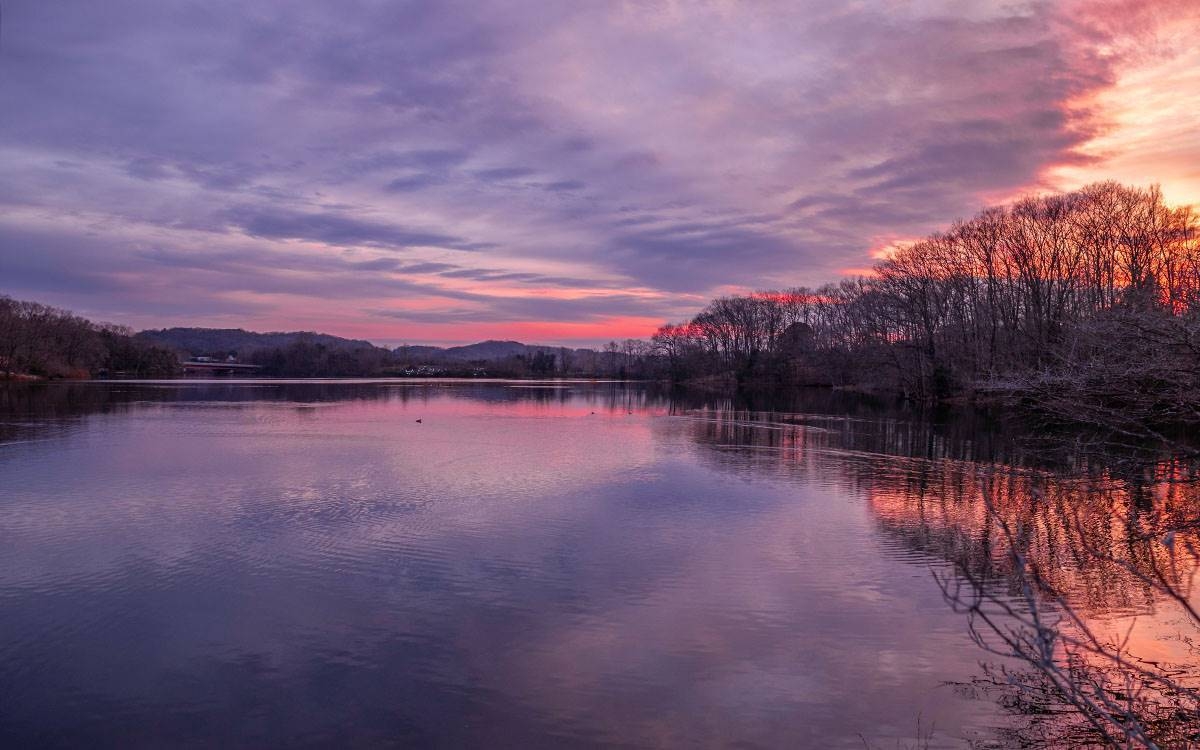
1111,550
537,564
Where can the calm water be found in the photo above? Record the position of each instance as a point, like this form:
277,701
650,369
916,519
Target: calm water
247,564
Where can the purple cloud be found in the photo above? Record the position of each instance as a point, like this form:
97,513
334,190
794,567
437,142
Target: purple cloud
567,147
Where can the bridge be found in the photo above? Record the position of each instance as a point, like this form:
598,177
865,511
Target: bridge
216,367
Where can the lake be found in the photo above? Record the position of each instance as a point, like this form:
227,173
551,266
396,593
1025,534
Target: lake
503,564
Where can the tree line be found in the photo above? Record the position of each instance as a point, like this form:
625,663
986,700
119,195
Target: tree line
43,341
1091,296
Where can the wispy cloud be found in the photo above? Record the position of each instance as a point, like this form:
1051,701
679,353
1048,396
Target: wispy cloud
189,164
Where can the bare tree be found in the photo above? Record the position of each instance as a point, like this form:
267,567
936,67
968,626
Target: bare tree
1086,688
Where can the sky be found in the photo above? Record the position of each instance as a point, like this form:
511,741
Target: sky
552,172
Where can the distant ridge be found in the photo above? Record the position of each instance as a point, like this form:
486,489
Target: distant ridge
484,351
204,341
489,350
242,342
72,347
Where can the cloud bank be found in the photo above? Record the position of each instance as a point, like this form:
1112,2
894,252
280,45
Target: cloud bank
447,171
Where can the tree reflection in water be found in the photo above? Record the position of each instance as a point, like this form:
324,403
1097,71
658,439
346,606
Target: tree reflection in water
1086,680
1075,571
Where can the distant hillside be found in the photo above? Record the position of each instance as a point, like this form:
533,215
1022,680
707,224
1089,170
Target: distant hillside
37,341
419,353
196,341
252,346
488,350
484,351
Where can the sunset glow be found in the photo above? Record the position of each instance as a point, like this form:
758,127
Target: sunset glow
554,173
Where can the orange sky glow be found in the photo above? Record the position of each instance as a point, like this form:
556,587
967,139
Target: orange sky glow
585,177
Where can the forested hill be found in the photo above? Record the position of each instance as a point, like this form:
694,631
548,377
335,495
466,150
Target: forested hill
245,344
484,351
306,354
241,342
